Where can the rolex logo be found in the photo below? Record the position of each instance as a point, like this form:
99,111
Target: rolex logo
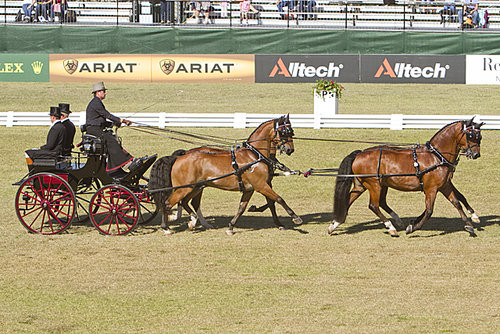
70,65
37,66
167,66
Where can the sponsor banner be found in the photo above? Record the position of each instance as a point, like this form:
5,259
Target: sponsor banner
482,70
100,67
24,67
412,69
151,68
206,68
306,68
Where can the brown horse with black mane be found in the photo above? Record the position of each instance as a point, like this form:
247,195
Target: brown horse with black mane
428,168
247,169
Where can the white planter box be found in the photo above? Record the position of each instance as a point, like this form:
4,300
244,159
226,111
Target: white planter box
326,103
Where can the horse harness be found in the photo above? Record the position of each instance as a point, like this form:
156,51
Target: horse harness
238,171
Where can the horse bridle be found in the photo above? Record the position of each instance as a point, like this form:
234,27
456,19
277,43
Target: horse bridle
471,133
284,132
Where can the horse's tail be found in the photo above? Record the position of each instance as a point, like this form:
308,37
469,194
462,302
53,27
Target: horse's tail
343,188
159,177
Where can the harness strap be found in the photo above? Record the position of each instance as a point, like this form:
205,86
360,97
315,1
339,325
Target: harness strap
417,167
378,164
237,171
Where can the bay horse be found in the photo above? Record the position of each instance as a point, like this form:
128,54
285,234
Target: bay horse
428,168
246,169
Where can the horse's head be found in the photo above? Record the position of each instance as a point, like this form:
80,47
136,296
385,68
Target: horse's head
283,134
470,140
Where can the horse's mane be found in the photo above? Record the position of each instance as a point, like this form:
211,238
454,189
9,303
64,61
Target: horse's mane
261,124
444,127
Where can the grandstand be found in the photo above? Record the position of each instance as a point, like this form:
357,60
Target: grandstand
366,14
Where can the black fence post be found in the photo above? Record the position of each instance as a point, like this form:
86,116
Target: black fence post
346,15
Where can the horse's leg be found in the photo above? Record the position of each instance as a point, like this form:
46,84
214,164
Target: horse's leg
175,198
448,192
196,204
383,205
245,198
267,191
375,195
356,191
254,208
430,198
462,199
178,215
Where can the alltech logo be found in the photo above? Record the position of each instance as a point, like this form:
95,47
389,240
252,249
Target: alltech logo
405,70
301,70
413,69
306,68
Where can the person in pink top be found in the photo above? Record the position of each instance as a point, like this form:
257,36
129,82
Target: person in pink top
245,7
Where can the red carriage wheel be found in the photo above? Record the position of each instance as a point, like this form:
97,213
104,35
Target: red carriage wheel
45,204
114,210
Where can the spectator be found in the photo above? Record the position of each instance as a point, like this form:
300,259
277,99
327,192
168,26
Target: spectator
69,127
166,11
285,3
306,6
28,7
202,6
223,9
245,7
58,7
55,139
96,120
448,10
42,10
470,8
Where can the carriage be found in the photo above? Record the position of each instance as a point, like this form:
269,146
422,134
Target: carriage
53,192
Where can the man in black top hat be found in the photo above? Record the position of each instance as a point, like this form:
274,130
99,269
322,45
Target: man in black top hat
96,119
55,139
70,128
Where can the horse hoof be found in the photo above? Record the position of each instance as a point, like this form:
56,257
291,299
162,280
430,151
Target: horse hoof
331,229
469,229
409,229
393,233
167,232
253,208
281,228
475,219
229,232
191,226
297,220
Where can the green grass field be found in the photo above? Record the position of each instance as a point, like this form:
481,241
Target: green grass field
261,279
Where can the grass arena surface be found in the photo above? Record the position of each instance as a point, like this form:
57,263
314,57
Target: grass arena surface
261,279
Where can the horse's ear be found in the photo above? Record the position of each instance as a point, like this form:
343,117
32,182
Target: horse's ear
288,118
478,125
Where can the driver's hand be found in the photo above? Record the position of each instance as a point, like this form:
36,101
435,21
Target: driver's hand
126,122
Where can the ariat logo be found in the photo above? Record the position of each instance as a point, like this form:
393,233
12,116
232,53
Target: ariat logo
70,65
11,67
37,67
405,70
301,70
167,66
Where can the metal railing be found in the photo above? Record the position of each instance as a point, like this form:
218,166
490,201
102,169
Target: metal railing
354,14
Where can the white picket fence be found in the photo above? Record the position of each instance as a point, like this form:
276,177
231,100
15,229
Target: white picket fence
243,120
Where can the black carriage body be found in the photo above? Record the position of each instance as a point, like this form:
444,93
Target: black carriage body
54,184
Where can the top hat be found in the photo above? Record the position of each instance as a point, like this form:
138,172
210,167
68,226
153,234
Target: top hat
55,111
98,86
64,108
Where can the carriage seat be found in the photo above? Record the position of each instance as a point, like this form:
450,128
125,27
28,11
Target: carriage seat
91,144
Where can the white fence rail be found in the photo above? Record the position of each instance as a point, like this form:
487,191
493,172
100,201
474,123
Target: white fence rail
242,120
